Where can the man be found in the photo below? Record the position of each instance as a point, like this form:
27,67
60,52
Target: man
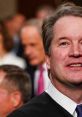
15,88
13,25
34,51
44,11
6,54
62,34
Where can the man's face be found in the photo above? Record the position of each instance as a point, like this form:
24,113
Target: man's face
66,51
6,105
33,46
18,22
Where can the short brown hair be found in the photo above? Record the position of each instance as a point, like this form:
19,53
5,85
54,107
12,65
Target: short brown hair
17,79
66,9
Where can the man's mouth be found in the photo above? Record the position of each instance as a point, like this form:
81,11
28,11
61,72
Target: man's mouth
75,65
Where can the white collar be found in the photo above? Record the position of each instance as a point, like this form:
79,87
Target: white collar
61,99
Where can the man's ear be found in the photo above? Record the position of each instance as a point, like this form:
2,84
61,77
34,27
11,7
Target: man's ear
48,62
16,99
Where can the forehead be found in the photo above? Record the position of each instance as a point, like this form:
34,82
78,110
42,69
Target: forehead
68,25
29,29
69,20
30,34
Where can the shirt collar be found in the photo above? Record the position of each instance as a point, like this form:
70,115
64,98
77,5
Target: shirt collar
43,65
61,99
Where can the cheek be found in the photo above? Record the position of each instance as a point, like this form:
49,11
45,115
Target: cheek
3,95
38,53
3,104
57,60
3,98
59,56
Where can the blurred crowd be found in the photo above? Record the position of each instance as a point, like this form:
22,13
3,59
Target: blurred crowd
21,45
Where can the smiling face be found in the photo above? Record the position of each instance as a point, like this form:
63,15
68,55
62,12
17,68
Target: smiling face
65,59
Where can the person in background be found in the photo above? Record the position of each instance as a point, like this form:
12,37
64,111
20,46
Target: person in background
44,11
62,38
6,54
17,22
31,40
13,25
15,88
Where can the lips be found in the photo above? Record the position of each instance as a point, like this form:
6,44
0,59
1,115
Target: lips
75,66
78,64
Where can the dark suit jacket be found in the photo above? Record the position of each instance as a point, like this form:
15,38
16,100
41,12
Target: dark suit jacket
31,70
41,106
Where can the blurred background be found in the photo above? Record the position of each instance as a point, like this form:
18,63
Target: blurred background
27,7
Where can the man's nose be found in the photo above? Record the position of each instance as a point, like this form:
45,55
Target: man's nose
75,51
28,50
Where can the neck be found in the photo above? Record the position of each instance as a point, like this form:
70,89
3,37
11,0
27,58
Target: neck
73,92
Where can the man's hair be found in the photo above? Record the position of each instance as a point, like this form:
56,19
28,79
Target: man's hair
17,79
33,22
66,9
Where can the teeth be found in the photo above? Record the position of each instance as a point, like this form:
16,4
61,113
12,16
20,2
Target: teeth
76,65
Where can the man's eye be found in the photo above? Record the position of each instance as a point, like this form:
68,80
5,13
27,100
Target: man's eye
63,44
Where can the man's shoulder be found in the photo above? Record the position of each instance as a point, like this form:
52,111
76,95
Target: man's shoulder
40,106
35,107
38,103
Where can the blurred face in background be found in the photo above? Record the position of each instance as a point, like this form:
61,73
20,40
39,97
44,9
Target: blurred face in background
2,49
18,21
33,46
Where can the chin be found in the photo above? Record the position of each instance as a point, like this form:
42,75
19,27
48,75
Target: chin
33,63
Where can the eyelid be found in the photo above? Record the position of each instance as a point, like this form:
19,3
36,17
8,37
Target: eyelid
64,41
